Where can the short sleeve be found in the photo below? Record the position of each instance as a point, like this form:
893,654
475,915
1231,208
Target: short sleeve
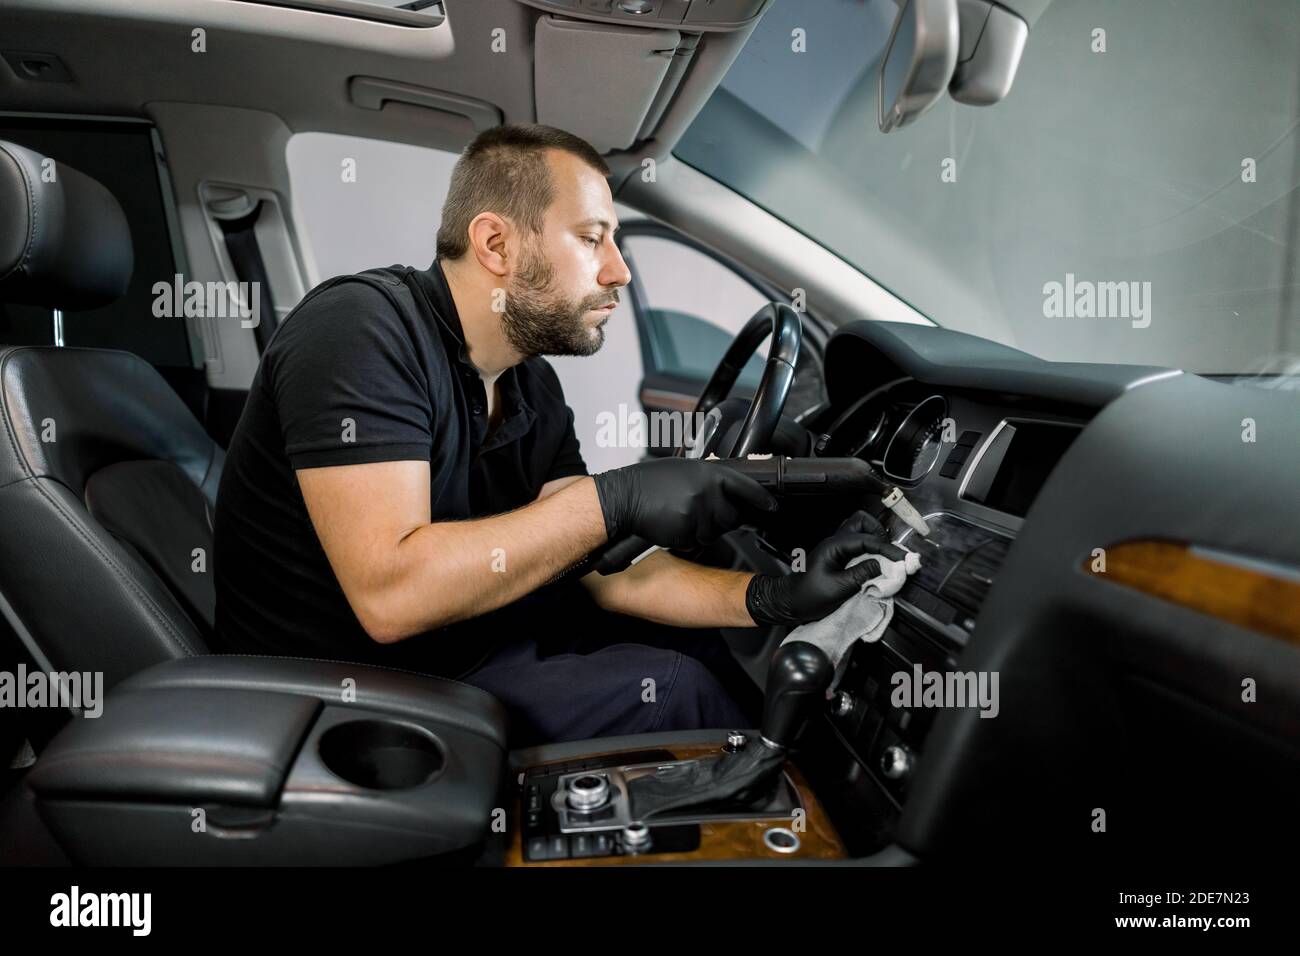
347,383
568,459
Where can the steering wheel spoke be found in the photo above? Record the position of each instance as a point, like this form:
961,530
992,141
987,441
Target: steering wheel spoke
783,325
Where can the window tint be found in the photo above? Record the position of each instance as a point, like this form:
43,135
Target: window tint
695,308
121,157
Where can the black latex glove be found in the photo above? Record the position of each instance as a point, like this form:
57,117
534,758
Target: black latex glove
678,502
810,595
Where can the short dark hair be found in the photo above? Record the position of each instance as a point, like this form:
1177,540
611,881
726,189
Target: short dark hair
504,171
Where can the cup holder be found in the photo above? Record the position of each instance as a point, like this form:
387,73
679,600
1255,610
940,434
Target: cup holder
380,754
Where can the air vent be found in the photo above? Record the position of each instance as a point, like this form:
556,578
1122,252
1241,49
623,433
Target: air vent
970,581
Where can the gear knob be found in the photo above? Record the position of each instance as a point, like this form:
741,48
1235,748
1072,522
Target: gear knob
796,684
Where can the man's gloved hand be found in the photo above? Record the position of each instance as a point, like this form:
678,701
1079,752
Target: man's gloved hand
810,595
678,502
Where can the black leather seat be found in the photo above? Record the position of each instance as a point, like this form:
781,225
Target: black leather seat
107,482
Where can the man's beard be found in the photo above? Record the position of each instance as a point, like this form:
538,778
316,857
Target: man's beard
539,320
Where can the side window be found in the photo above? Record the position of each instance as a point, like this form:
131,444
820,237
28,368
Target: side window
120,155
367,203
691,308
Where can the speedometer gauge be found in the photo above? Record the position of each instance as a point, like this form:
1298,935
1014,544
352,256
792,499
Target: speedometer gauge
873,430
914,447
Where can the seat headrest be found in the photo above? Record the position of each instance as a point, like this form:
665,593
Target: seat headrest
64,240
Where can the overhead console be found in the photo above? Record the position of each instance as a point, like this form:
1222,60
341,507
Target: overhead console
699,15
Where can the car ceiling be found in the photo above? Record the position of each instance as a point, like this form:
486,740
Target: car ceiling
124,55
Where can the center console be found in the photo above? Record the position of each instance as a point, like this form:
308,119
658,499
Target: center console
736,798
788,823
231,760
872,735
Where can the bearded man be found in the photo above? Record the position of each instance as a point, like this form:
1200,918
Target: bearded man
405,486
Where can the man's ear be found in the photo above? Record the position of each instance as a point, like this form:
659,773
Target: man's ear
488,234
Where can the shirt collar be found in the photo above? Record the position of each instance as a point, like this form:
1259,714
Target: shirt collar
444,307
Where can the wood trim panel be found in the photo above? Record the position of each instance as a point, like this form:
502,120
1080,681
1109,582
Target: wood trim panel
1244,594
658,398
721,840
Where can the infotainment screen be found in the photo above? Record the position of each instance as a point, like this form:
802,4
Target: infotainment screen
1020,456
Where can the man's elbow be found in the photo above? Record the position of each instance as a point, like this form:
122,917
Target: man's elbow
390,608
380,628
384,627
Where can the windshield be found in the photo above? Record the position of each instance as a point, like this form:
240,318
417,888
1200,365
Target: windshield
1132,200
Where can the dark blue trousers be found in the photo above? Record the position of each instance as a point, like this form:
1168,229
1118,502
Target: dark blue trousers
567,670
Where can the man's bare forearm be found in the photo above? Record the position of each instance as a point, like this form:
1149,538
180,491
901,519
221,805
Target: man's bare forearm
667,590
451,570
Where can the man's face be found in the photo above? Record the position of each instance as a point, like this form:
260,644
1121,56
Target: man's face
566,279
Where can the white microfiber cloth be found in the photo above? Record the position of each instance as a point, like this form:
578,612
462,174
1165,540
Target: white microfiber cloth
863,617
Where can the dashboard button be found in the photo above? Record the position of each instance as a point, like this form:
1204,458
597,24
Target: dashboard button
634,838
956,458
896,762
944,612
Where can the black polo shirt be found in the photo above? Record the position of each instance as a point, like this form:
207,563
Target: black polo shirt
372,367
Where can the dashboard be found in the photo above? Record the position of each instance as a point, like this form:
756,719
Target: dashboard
971,465
971,455
1120,684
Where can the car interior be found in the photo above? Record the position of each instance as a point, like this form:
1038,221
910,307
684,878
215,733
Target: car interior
1112,537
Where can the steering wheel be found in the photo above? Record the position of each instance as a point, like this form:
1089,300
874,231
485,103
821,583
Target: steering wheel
760,422
764,414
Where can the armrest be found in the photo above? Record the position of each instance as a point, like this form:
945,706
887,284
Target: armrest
251,760
397,691
193,746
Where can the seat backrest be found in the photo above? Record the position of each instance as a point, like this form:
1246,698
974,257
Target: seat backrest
107,482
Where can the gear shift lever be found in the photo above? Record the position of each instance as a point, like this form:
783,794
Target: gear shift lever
796,683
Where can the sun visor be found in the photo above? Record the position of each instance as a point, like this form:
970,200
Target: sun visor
602,81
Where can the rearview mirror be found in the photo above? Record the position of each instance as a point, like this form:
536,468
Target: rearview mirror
919,61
